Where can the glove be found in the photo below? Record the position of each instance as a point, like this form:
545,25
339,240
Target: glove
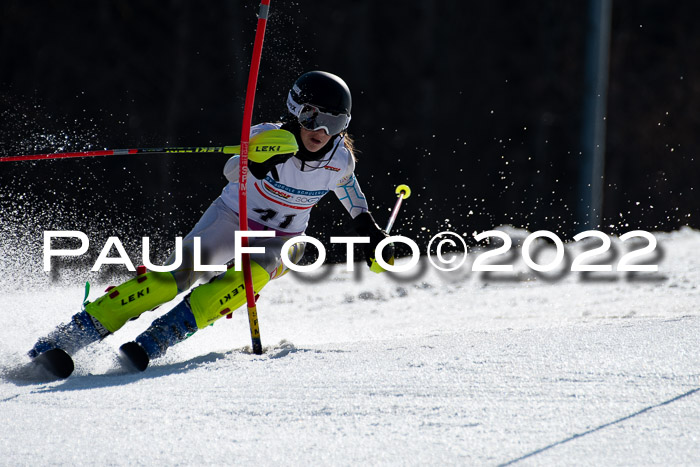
365,226
269,148
261,169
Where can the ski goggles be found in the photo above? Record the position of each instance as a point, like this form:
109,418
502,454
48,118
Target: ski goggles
312,118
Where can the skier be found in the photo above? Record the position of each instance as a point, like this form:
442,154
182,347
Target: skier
281,192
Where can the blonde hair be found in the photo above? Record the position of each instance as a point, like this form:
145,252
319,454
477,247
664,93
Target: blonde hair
350,146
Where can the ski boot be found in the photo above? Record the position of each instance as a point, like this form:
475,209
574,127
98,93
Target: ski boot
54,351
175,326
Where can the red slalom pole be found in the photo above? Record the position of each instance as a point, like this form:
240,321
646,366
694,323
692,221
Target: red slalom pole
243,175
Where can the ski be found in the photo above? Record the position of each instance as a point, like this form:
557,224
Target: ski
133,356
57,362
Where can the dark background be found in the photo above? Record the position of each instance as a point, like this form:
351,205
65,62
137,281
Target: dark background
476,105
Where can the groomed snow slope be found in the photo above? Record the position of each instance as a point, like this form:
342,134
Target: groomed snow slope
441,368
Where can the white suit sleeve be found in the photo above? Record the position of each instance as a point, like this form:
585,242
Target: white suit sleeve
350,194
231,169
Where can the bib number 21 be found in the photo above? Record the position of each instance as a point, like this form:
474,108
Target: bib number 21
269,214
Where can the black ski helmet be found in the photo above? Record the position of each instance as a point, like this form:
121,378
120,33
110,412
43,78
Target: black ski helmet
323,90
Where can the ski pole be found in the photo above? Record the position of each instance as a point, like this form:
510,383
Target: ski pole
269,142
243,177
403,192
124,152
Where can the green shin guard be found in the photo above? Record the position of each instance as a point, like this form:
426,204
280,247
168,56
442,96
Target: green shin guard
130,299
224,294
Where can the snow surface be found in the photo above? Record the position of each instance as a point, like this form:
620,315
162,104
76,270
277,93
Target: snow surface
359,368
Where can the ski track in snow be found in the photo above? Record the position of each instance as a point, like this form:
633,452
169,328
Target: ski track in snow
359,368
